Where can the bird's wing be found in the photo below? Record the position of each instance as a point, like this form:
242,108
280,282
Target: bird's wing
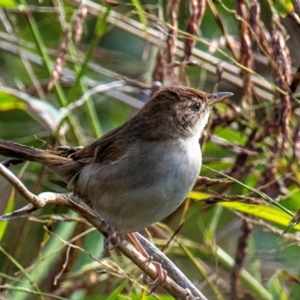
106,149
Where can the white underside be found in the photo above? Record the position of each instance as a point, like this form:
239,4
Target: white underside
143,186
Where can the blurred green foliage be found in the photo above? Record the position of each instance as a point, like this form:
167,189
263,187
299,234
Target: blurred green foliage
54,254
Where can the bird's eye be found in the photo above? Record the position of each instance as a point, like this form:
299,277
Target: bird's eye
196,106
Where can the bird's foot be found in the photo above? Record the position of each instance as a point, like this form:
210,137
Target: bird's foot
161,276
112,232
161,273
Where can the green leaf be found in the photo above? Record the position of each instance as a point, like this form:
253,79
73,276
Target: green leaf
115,294
93,244
10,102
42,111
275,286
231,134
283,7
199,195
29,278
9,208
269,213
101,24
8,4
140,12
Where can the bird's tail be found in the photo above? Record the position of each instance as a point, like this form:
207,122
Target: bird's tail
64,167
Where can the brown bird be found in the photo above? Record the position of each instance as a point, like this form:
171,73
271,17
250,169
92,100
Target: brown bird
140,172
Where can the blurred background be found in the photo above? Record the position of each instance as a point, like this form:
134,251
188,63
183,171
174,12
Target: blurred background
71,71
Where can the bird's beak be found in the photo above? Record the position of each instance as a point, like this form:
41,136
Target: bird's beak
217,97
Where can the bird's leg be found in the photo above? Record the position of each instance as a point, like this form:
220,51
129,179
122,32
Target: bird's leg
161,273
161,276
111,232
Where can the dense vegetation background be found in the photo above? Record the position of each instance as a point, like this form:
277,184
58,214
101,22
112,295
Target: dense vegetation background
71,71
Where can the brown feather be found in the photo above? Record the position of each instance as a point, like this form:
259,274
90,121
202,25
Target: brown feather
104,150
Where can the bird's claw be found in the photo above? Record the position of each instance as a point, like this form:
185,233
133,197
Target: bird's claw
112,231
161,276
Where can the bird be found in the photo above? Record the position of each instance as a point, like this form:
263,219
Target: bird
140,172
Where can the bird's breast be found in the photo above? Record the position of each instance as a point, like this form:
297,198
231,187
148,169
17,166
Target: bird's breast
145,185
